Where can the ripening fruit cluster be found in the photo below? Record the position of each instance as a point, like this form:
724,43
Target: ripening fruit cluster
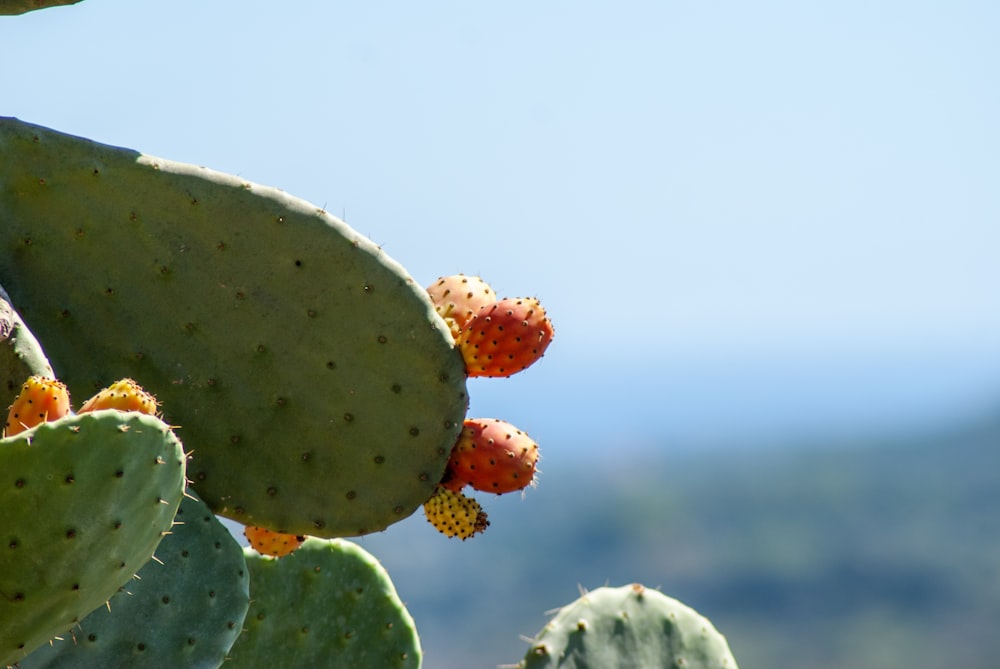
497,338
43,399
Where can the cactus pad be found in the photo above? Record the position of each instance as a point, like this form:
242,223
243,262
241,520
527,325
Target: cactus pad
185,610
328,604
315,384
627,627
85,500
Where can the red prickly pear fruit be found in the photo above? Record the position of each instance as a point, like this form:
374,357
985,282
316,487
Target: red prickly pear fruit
454,514
124,395
493,456
40,400
458,298
505,337
268,542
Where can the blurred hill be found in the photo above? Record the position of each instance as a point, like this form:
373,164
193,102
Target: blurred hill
863,554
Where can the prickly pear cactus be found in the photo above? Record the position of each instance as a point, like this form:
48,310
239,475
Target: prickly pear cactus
318,387
11,7
185,609
21,355
86,500
328,604
631,627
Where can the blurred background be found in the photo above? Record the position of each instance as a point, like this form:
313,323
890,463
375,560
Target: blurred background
766,233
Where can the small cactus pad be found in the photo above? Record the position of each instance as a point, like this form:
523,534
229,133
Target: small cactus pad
505,337
21,355
13,7
454,514
630,626
85,501
41,399
185,609
458,298
493,456
123,395
268,542
317,387
328,604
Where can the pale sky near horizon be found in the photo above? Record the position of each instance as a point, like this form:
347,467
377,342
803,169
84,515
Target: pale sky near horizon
671,178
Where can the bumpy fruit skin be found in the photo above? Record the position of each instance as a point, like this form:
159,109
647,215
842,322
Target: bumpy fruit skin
454,514
492,456
41,400
458,298
123,395
267,542
505,337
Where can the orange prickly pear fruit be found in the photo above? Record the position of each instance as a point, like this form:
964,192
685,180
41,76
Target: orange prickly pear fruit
268,542
492,455
505,337
40,400
124,395
458,298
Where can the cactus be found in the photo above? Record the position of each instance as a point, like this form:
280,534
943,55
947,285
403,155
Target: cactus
330,603
630,626
322,390
12,7
86,500
21,355
185,609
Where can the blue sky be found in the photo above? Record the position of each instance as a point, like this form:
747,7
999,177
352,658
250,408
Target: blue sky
738,208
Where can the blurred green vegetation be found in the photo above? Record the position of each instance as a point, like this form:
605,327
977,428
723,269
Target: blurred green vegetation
817,557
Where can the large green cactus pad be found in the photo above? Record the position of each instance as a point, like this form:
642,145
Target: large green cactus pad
185,610
84,502
630,627
328,604
317,388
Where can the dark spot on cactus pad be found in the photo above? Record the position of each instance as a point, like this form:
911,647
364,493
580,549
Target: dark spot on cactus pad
118,525
18,597
414,431
281,401
261,348
351,494
239,511
398,509
71,533
330,364
91,637
221,246
141,647
201,476
382,339
272,491
298,263
311,313
379,459
190,641
69,478
166,599
396,388
320,524
13,543
119,473
306,456
348,417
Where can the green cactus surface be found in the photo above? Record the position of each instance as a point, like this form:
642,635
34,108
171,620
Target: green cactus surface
315,384
85,502
12,7
21,355
185,609
328,604
630,627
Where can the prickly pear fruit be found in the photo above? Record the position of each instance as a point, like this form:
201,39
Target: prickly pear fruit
123,395
505,337
41,400
454,514
267,542
493,456
458,298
